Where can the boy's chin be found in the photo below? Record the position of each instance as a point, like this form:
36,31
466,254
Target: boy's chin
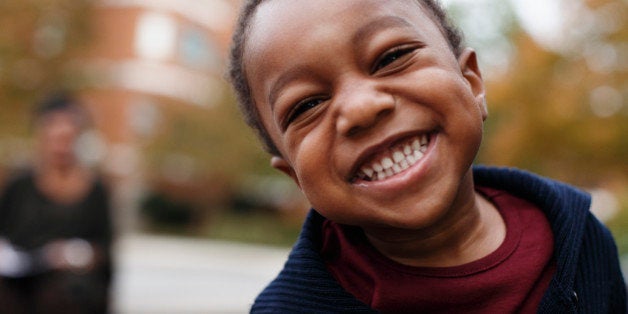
400,221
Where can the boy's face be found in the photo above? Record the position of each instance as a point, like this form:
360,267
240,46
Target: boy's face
346,88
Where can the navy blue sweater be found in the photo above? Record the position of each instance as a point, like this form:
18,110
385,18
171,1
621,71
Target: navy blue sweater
588,277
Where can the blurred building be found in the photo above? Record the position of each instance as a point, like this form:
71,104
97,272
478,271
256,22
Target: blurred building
144,55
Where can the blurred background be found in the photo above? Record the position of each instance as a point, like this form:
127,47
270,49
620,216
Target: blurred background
196,204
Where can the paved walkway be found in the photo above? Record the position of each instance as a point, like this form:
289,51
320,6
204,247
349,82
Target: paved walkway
183,275
160,275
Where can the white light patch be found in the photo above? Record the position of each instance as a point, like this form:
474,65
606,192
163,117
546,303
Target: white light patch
605,101
542,19
155,36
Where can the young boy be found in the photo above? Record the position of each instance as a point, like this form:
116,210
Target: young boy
375,109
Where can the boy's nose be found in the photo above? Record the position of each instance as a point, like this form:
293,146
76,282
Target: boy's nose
361,108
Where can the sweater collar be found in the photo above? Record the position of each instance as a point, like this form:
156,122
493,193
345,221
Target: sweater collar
566,208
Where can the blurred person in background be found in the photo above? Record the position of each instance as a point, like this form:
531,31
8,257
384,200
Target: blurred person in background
55,229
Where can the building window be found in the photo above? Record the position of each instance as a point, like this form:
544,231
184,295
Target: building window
197,51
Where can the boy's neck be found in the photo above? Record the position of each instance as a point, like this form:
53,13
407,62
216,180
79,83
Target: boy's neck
466,234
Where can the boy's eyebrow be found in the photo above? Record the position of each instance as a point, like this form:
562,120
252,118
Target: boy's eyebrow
367,30
283,79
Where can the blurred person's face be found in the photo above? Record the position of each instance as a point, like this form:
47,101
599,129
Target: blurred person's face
57,133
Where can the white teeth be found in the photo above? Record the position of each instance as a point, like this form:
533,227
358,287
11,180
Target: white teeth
407,150
416,145
377,167
402,158
418,154
387,163
398,157
396,168
404,164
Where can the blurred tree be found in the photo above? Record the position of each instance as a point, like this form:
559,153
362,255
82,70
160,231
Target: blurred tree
564,113
214,138
38,37
209,151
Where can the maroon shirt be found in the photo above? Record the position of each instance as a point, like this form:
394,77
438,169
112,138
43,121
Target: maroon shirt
512,279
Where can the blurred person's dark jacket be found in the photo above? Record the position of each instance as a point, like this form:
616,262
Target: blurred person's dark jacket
29,222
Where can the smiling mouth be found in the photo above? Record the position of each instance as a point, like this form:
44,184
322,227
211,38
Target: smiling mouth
394,160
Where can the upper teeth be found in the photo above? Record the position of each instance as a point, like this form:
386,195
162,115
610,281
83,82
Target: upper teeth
398,160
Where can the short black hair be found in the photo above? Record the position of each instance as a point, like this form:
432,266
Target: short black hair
237,72
60,101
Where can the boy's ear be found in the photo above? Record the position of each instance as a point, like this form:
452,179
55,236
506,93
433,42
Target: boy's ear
282,165
471,71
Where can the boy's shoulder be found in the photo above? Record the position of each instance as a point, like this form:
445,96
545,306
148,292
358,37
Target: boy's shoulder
582,243
565,207
542,191
304,285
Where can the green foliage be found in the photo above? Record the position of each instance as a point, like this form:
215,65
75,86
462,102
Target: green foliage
215,139
37,40
563,114
159,209
255,227
619,224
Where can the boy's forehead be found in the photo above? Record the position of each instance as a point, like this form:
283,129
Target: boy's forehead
284,25
275,17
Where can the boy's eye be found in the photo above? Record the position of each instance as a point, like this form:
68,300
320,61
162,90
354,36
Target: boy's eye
390,57
301,108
